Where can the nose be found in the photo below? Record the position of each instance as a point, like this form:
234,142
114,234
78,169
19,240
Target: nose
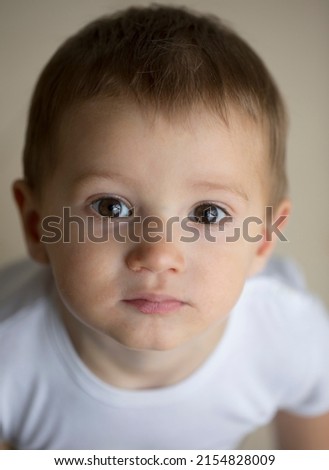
156,257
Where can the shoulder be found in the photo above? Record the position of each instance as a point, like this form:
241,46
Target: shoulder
21,284
26,344
288,330
278,320
24,304
279,293
283,322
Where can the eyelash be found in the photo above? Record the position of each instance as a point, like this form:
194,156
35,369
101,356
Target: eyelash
95,205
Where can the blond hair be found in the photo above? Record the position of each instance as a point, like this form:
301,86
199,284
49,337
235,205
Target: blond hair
161,56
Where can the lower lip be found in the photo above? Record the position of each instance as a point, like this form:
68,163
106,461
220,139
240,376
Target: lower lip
145,306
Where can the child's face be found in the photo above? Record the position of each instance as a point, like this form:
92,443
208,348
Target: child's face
163,170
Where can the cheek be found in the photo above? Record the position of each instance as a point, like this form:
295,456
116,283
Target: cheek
85,274
220,274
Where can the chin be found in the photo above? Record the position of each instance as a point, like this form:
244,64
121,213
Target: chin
143,344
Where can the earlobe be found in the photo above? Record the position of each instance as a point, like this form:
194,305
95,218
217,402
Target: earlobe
272,232
30,219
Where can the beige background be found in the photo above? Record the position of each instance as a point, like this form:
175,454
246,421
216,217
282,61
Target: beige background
291,35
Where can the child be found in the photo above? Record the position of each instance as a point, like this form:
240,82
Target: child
154,191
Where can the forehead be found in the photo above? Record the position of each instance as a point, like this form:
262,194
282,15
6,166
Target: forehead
103,133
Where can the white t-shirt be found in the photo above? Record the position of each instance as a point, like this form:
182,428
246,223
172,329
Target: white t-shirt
274,355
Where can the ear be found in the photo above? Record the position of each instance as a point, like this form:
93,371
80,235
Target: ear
31,220
274,224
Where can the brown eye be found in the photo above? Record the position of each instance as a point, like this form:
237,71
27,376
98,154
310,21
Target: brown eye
208,214
112,207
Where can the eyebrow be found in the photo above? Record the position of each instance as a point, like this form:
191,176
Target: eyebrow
203,185
112,176
210,185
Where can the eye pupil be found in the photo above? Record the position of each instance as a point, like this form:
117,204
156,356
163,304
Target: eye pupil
111,207
208,214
